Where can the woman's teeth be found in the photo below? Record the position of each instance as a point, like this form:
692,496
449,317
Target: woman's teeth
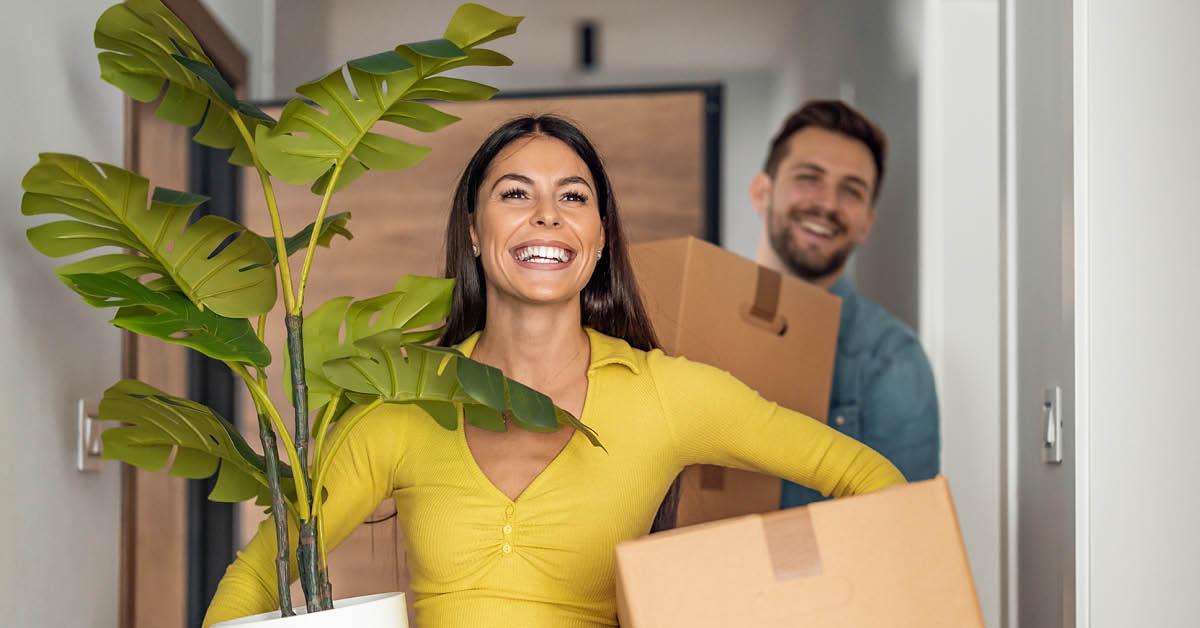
543,255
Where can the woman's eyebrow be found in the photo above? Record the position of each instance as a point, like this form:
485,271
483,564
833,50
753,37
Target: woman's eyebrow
515,177
573,179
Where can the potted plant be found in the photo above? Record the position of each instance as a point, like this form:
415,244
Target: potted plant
208,285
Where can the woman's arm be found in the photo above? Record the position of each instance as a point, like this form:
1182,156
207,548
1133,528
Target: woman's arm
716,419
361,476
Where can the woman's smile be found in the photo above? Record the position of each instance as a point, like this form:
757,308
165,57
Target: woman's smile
543,254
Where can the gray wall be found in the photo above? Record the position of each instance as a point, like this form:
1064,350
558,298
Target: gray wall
59,526
868,52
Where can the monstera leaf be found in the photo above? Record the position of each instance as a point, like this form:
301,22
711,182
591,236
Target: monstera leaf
311,142
217,263
416,304
438,379
334,225
203,441
170,316
146,46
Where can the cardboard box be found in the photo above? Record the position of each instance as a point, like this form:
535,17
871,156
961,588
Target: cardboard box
892,559
776,333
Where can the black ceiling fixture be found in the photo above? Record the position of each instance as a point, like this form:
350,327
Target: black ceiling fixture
587,33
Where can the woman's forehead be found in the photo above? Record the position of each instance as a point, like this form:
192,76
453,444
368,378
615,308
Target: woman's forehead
539,156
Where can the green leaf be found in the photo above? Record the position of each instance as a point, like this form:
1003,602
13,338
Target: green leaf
217,263
334,225
418,116
170,316
395,371
145,46
386,62
336,129
417,304
204,441
531,409
451,89
474,24
484,383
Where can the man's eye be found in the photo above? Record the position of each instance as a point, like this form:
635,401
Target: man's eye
806,177
574,197
514,193
854,193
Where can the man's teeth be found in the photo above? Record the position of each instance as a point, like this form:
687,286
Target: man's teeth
818,229
543,254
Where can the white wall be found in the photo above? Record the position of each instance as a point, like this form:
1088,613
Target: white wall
1139,229
60,527
251,24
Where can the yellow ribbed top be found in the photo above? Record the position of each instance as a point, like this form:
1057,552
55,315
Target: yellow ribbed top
477,558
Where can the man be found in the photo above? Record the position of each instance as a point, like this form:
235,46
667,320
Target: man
816,195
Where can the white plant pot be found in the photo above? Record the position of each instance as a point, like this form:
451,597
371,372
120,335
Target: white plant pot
382,610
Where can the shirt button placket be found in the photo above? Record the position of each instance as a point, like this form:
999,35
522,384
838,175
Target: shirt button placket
509,511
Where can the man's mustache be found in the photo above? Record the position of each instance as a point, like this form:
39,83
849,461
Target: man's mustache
796,214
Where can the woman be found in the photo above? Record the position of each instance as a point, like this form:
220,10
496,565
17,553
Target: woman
517,528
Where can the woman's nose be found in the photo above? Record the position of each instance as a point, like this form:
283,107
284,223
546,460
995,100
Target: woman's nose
546,215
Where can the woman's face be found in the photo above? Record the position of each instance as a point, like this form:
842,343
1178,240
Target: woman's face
536,225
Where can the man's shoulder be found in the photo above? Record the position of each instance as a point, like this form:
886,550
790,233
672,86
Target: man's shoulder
875,331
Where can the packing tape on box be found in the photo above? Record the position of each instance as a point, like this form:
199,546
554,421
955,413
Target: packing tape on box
792,544
712,477
764,310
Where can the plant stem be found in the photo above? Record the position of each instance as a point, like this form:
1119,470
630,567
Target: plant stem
327,457
279,514
263,402
312,240
285,271
306,550
322,427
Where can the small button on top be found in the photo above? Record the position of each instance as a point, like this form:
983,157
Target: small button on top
508,529
509,510
507,548
840,420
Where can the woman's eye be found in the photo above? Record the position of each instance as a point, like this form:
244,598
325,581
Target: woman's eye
514,193
574,197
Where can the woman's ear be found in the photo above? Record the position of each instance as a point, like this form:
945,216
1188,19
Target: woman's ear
474,236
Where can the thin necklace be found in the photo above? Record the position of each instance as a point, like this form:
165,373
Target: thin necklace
554,377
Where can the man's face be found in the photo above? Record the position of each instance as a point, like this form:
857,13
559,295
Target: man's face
818,206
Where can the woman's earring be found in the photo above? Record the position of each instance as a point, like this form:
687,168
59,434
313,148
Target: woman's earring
475,250
599,253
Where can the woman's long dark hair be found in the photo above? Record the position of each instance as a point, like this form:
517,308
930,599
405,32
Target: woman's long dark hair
610,302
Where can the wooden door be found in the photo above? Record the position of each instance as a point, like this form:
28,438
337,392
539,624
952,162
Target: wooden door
153,578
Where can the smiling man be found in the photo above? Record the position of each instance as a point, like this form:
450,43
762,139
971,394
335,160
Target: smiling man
816,195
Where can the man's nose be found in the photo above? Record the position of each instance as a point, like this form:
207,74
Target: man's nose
825,197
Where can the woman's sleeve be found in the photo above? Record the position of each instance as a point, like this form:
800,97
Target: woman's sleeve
716,419
361,475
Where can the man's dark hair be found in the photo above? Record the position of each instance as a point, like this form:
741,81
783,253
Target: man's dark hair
836,116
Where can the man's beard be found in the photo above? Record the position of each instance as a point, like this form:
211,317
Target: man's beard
803,262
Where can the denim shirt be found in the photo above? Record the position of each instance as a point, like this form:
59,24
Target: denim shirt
883,393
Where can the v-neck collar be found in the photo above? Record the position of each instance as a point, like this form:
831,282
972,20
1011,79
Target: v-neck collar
605,351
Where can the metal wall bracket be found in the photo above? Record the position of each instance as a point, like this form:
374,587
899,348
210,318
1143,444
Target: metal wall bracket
1052,426
89,447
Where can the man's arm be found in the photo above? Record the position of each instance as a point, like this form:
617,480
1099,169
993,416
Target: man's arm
899,415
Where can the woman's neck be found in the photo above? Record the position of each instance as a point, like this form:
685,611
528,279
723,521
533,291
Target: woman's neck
533,343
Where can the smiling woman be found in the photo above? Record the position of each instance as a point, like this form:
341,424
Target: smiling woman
517,527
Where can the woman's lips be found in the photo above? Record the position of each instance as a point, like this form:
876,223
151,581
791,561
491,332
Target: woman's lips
543,255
